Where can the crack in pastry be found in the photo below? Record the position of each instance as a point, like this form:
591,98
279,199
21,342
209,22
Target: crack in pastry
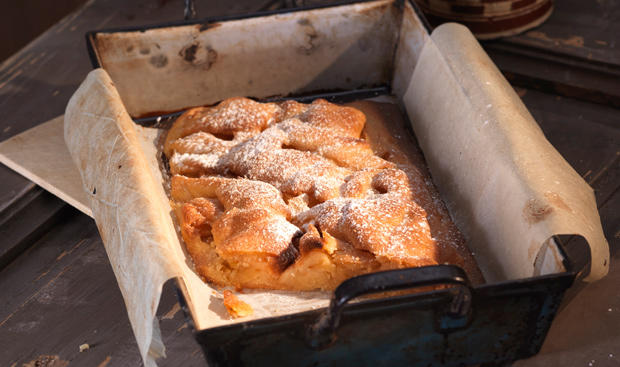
291,196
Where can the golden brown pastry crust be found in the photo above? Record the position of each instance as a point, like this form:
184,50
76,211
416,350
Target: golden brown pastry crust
236,307
296,196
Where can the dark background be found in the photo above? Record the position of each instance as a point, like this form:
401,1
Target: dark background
23,20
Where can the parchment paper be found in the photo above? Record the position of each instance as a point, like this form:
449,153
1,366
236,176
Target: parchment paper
45,144
506,186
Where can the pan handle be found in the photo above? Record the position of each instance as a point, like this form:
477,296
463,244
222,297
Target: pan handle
322,332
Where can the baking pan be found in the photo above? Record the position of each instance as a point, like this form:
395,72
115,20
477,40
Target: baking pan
459,324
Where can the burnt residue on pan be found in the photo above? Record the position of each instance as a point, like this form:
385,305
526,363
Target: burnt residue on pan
198,55
189,53
159,61
207,26
111,43
536,210
311,43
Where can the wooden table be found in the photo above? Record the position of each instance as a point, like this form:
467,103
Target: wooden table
59,291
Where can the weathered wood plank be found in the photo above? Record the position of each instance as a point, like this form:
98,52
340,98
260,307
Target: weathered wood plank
558,74
26,219
574,53
63,294
586,134
10,188
26,19
584,29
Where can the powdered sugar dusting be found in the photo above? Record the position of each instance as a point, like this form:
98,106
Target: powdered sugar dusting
281,230
185,163
282,168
